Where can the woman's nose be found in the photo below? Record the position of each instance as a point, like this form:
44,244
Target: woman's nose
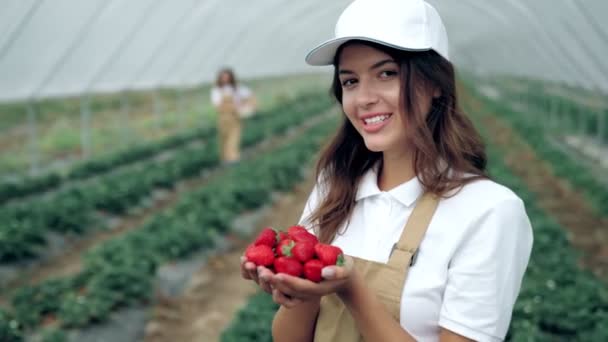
366,95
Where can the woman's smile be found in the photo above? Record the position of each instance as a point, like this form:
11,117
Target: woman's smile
374,122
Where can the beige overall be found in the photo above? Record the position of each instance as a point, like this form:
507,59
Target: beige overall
229,129
335,323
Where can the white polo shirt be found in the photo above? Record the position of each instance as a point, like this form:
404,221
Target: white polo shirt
239,94
469,266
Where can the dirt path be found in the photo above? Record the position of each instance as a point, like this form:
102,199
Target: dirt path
70,262
217,291
586,231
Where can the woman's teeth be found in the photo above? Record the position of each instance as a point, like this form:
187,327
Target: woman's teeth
376,119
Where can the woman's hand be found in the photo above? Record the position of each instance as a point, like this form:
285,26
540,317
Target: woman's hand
252,272
289,291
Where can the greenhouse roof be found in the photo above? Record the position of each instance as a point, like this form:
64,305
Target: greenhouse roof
67,47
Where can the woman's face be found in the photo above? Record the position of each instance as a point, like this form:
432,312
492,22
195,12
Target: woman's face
225,79
371,87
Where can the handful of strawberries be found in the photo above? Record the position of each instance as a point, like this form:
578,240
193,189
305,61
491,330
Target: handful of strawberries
295,252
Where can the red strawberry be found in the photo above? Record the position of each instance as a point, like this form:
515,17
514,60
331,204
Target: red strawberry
304,237
260,255
248,248
299,233
303,251
293,229
288,265
312,270
329,255
266,237
284,247
283,236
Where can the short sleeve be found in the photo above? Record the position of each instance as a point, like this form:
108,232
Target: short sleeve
486,271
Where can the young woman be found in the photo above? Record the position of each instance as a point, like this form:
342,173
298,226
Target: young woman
436,250
232,101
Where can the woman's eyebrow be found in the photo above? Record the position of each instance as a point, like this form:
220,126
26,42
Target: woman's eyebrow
381,63
374,66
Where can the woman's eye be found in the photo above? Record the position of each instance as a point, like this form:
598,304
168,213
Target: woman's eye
348,82
388,73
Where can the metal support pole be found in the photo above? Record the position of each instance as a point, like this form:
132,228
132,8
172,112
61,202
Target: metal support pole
124,112
158,109
33,133
601,126
85,125
181,112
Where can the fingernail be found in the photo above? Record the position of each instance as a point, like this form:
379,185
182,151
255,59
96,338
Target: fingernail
243,259
279,277
328,272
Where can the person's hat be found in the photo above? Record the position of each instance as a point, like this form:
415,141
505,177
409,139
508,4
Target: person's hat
411,25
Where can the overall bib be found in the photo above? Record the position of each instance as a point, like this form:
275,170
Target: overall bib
229,129
335,323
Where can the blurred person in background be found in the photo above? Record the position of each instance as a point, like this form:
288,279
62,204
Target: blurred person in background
233,101
435,250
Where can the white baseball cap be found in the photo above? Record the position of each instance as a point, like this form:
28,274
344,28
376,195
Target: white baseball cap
412,25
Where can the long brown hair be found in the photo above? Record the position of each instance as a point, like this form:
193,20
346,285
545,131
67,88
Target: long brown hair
230,73
448,151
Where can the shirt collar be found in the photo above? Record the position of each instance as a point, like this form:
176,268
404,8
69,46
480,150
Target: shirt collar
406,193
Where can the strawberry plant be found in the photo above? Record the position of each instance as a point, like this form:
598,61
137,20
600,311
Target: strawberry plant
120,272
10,329
72,209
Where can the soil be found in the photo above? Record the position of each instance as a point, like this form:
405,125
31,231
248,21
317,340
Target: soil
586,230
70,262
217,291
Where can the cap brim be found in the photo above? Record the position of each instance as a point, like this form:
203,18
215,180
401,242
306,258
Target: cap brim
324,53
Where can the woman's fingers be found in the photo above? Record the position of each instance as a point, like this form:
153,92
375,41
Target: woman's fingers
338,272
296,287
244,272
264,276
282,299
305,289
252,270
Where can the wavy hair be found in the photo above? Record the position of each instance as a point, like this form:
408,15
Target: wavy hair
448,151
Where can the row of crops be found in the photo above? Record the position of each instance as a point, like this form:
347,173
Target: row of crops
535,133
74,208
120,272
17,188
558,301
581,114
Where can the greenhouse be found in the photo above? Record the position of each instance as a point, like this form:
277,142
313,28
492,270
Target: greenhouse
147,146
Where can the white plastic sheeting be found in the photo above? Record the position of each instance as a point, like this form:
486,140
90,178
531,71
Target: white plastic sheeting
66,47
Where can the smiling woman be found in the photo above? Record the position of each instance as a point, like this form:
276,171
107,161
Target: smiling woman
436,251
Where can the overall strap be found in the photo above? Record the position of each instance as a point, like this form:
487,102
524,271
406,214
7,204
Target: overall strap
416,226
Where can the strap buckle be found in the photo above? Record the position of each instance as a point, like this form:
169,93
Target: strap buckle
414,258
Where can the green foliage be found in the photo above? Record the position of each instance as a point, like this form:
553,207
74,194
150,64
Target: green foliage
10,329
120,272
562,164
71,209
252,322
53,335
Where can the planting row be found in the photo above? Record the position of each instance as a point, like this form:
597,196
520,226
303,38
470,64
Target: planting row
23,225
120,272
35,184
562,164
557,111
558,300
